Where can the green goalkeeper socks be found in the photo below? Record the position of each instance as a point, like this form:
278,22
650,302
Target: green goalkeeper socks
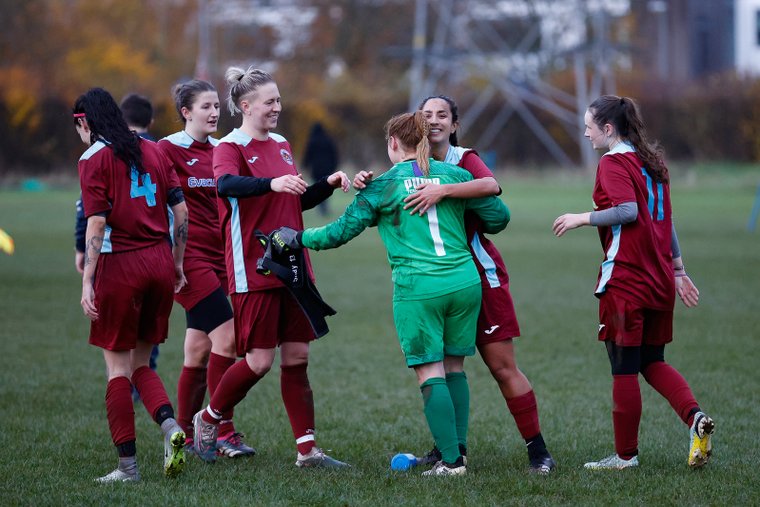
439,412
460,397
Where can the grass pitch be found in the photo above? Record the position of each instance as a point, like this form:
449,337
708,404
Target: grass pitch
55,439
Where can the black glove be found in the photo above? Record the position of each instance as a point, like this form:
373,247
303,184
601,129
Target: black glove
284,257
286,238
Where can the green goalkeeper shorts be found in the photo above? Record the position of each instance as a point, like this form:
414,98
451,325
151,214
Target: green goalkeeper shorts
429,329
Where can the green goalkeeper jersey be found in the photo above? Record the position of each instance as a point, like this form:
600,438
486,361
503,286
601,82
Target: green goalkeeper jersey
428,254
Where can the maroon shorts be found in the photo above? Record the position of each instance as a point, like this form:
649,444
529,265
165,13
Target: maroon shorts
629,325
203,278
266,318
134,296
497,320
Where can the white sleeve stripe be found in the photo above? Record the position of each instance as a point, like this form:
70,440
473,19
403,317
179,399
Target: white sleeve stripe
609,263
238,258
486,261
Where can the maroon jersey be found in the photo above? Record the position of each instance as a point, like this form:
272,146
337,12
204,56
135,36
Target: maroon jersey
493,272
193,163
240,155
638,257
134,203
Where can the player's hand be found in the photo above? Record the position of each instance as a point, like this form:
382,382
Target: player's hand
79,261
88,300
568,222
179,279
687,291
285,238
289,184
362,179
427,195
339,179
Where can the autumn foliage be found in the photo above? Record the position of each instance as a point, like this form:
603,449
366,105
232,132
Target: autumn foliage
346,64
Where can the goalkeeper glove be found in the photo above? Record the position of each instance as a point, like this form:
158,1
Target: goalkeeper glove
286,238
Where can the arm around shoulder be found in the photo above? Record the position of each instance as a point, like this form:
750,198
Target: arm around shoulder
492,211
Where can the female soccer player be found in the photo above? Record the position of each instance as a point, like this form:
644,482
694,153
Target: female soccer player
638,280
130,270
138,113
259,188
210,335
436,284
497,322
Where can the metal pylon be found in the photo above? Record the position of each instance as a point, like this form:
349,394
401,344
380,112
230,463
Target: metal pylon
466,45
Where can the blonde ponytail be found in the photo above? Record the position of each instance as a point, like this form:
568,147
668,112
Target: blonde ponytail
423,145
411,130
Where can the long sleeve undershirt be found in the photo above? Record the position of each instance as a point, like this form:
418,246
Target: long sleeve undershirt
229,185
625,213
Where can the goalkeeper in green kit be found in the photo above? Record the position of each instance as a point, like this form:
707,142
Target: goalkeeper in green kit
436,297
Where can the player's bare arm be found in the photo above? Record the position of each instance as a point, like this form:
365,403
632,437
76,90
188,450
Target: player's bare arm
91,254
685,287
339,179
94,235
180,242
79,261
570,221
623,213
429,194
362,179
289,184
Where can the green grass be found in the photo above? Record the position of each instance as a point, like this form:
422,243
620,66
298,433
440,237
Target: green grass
55,439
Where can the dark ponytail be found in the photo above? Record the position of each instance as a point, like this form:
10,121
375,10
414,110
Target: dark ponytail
623,114
106,122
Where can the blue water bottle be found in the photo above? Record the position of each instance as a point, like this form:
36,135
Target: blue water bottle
403,461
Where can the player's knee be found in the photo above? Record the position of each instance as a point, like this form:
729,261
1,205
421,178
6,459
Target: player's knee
225,347
504,374
453,364
259,364
119,372
261,369
294,354
197,354
196,360
502,369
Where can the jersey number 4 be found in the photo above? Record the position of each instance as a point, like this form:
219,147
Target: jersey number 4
142,186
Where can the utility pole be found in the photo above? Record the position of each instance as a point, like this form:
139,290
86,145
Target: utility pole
204,40
511,67
418,53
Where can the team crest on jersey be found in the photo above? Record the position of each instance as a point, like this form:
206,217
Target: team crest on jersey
286,156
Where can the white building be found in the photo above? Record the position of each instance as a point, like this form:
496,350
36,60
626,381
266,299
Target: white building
747,36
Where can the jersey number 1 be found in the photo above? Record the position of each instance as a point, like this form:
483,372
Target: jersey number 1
435,232
142,186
